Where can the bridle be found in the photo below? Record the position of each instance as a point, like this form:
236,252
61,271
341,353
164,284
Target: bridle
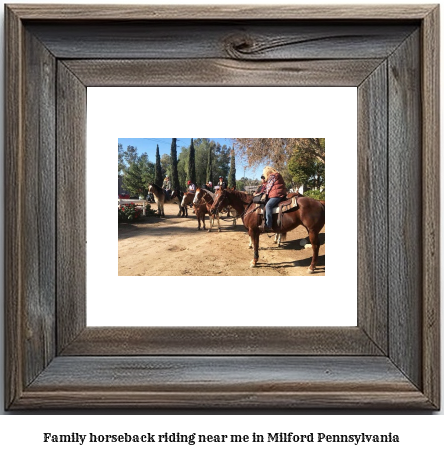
223,196
219,199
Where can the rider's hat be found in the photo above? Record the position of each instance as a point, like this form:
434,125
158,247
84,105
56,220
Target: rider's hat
189,182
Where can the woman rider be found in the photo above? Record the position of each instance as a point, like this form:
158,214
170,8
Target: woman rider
276,192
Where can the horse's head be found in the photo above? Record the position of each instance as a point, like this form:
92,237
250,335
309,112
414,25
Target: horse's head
198,195
220,201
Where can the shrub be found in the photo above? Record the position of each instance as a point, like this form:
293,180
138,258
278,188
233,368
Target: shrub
129,213
315,194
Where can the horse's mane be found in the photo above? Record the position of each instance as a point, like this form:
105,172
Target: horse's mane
156,187
244,196
210,193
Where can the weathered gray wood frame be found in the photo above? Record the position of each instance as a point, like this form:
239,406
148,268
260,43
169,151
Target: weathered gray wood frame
390,360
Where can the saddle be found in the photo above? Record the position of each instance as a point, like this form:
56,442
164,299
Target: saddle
287,205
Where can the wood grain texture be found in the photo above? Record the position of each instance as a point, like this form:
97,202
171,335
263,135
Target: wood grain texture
220,12
234,382
431,201
405,208
71,212
219,72
89,373
372,207
127,341
14,193
258,40
39,207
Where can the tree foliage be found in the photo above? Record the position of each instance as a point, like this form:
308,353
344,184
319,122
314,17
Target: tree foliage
158,177
209,174
307,171
232,174
138,174
278,151
191,168
220,161
174,174
165,163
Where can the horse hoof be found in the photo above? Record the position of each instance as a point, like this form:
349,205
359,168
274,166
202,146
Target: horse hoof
209,231
310,271
252,264
219,230
250,246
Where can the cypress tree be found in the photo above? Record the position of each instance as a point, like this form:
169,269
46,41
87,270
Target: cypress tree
191,171
158,179
174,174
232,174
209,177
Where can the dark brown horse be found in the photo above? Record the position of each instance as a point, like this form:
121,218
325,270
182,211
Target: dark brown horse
310,213
203,200
183,210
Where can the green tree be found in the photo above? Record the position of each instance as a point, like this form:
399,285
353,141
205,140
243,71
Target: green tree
174,174
232,174
165,163
121,162
138,175
158,177
191,169
307,171
209,174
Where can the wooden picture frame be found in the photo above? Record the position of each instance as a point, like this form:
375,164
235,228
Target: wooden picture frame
390,360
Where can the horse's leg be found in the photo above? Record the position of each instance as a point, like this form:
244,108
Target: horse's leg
211,220
255,235
250,245
314,240
276,238
218,222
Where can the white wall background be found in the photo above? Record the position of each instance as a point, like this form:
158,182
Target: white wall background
21,433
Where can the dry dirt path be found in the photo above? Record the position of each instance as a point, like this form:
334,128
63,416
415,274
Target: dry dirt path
172,246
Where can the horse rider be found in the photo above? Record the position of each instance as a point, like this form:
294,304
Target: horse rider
191,187
261,188
222,184
275,191
167,187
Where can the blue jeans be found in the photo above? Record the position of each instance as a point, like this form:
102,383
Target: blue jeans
271,203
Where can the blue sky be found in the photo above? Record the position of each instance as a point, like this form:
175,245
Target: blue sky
148,145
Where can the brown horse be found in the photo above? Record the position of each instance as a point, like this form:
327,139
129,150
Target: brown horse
159,198
310,213
187,199
183,210
203,200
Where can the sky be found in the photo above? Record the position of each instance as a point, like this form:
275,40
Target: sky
148,145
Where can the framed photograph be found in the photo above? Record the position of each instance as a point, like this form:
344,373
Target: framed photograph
389,359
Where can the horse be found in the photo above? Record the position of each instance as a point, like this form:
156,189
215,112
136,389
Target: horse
159,197
310,213
187,199
183,210
203,201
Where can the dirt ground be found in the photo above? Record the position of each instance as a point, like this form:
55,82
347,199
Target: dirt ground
172,246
